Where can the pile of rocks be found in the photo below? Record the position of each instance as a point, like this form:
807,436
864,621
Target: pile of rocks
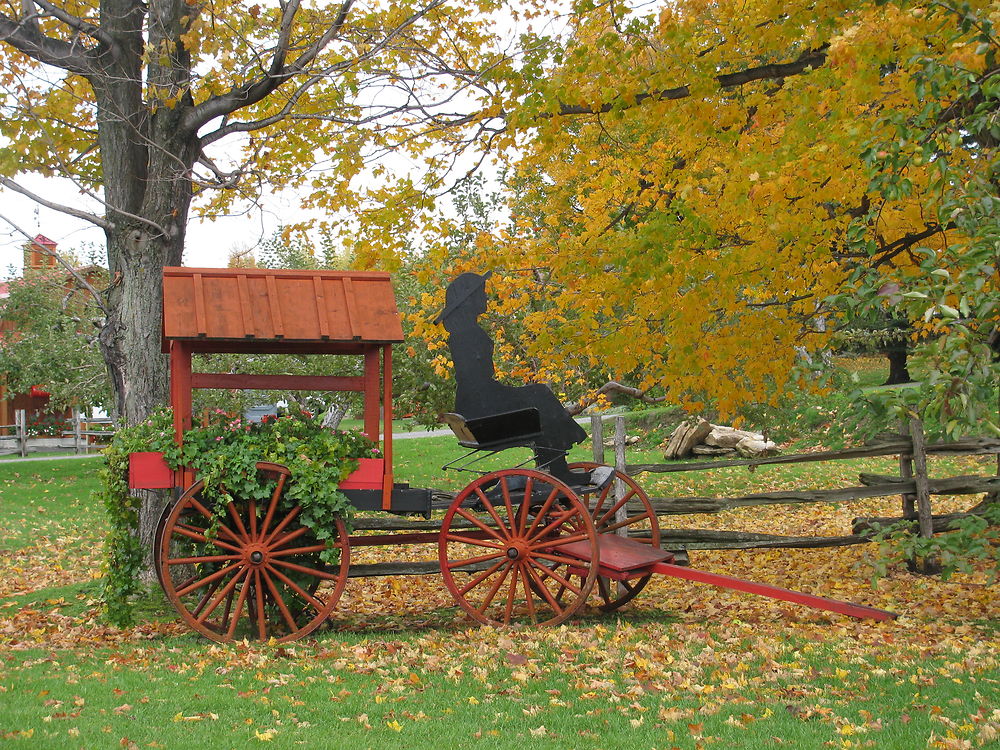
699,437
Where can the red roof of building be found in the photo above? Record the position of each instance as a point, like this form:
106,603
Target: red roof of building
266,305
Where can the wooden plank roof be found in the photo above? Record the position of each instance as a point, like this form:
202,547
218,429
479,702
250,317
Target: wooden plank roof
266,305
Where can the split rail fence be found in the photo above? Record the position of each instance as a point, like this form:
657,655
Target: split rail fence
83,435
913,485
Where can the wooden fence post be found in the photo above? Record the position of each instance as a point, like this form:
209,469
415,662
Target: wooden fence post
597,437
621,515
77,430
906,472
924,514
21,430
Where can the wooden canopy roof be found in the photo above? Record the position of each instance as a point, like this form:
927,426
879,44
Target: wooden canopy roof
279,307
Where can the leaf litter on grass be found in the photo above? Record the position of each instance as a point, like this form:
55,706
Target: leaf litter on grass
679,655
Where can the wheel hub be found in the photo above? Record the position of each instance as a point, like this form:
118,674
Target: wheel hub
256,555
517,550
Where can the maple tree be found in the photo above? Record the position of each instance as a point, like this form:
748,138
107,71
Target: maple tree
697,180
157,110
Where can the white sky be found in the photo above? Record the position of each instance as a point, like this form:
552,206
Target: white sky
208,242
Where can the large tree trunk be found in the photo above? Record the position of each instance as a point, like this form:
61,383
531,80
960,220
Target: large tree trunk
898,372
147,218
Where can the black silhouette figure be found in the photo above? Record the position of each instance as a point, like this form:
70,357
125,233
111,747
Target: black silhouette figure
479,394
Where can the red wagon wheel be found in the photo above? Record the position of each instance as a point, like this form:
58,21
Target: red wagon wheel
500,549
255,573
640,522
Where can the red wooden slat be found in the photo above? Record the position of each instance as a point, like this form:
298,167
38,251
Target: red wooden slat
272,297
245,310
353,322
321,313
277,382
617,552
199,306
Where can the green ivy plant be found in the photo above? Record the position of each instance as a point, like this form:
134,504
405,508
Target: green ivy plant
223,453
123,550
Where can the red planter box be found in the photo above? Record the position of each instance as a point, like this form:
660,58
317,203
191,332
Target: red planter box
148,471
368,475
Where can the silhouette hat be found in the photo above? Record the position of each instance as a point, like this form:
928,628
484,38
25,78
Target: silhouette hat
459,290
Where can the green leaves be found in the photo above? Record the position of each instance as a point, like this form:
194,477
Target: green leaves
223,454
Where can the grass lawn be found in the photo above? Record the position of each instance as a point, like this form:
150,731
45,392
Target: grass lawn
684,665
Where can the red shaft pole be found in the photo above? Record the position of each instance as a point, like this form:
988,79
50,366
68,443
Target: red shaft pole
774,592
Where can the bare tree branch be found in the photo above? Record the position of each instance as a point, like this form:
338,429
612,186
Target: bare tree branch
613,387
805,62
75,212
26,36
254,91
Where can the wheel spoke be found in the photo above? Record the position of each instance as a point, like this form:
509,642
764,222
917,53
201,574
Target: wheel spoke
542,511
484,575
308,598
235,514
630,521
207,579
493,512
573,562
222,595
529,599
213,519
560,519
202,559
193,532
252,518
273,505
234,620
274,544
298,550
503,536
511,595
564,583
487,600
280,601
614,509
292,514
204,599
474,541
308,571
603,496
452,564
259,591
522,512
559,541
540,586
507,502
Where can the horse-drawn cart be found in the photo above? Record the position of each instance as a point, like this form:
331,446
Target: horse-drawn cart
517,546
